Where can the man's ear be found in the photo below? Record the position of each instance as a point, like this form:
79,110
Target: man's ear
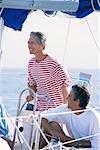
78,102
43,46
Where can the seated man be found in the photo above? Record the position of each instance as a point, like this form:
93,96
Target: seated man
79,124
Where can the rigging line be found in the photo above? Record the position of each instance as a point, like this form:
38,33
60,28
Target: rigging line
66,41
98,48
68,142
16,128
40,130
0,55
1,12
20,117
69,112
83,138
1,33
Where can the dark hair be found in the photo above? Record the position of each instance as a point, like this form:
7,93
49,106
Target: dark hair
41,39
81,93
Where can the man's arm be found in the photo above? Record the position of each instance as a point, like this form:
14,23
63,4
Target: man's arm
83,144
79,144
65,91
30,96
63,80
33,87
54,129
31,82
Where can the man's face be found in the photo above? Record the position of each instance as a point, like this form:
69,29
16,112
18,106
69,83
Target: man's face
34,47
72,104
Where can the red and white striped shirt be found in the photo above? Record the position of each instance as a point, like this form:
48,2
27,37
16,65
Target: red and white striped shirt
48,76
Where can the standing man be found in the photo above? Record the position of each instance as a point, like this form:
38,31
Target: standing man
46,76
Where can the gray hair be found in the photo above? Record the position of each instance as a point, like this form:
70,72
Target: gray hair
41,39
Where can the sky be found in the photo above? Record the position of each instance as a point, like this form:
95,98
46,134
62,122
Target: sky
73,48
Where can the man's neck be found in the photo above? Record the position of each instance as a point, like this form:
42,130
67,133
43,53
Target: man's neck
80,111
41,57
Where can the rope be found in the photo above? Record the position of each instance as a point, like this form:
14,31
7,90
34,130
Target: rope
43,134
42,115
98,48
0,55
71,112
1,11
21,117
79,139
1,32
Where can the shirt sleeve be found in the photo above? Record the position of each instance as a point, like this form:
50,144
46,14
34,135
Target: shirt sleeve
56,114
61,76
31,80
95,131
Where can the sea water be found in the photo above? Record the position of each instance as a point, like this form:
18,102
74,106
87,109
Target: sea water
13,81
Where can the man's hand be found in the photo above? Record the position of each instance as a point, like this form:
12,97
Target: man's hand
65,91
29,98
33,87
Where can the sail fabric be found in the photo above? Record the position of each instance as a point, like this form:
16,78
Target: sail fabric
4,130
14,18
85,8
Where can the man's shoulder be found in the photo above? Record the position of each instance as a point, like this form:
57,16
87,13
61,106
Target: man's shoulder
63,108
31,61
56,63
93,113
59,109
53,60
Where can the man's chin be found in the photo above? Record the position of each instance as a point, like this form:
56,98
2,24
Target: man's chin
69,107
31,53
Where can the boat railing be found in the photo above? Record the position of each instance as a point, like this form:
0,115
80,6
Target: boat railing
19,109
37,121
11,120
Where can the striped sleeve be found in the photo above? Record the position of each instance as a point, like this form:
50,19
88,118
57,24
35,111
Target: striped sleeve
31,81
61,76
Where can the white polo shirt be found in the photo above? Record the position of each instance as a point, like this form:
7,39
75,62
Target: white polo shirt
78,126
